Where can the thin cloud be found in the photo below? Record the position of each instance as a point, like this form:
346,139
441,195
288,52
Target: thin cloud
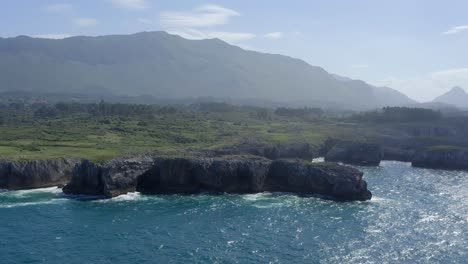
204,16
85,22
130,4
274,35
198,23
456,30
52,36
58,8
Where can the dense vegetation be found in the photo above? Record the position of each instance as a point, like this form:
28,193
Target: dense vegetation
398,115
100,131
299,112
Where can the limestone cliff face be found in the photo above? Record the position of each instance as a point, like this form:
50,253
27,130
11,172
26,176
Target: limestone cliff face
111,179
181,175
365,154
334,180
231,175
398,153
36,174
452,159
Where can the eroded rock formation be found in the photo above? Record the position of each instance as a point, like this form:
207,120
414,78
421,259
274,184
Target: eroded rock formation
442,158
231,175
358,153
36,174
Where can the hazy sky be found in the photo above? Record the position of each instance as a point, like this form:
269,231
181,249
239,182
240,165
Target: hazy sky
419,47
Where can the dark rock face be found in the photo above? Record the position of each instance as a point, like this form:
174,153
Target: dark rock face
364,154
35,174
334,180
181,175
233,175
398,154
451,159
89,182
112,179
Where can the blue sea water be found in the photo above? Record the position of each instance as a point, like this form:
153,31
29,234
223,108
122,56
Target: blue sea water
416,216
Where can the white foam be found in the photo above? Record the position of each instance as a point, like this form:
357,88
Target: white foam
376,199
269,200
425,218
269,205
319,159
23,193
385,163
255,197
13,205
131,196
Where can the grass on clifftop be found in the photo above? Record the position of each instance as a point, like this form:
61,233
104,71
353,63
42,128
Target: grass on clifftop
100,138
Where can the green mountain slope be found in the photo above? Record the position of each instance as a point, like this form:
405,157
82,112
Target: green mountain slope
164,65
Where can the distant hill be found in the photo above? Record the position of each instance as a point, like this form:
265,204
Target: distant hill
457,96
168,66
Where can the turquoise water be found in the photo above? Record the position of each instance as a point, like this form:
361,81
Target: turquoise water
416,216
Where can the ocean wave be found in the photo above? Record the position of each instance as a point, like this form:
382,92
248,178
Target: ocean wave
128,197
269,200
25,193
13,205
376,199
256,196
319,159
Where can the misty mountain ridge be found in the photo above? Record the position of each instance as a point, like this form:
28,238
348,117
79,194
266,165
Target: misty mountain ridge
457,96
168,66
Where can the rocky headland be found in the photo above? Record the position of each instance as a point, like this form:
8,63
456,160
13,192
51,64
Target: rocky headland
370,154
442,157
227,175
357,153
187,174
36,174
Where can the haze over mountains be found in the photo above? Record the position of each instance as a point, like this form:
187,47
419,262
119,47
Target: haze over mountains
168,66
456,96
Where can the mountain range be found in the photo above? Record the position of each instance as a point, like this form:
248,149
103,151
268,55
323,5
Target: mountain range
168,66
457,96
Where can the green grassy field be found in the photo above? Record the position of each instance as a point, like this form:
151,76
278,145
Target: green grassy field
102,138
100,132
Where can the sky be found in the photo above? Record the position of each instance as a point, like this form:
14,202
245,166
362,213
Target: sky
419,47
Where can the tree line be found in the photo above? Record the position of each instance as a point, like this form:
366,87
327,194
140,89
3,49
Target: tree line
398,114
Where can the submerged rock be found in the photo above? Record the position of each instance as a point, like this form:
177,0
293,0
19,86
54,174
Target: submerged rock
231,175
445,157
36,174
358,153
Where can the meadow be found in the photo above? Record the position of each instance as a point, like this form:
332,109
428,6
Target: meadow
32,133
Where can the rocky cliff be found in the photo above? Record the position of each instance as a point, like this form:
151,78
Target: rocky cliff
358,153
231,175
35,174
442,158
280,151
